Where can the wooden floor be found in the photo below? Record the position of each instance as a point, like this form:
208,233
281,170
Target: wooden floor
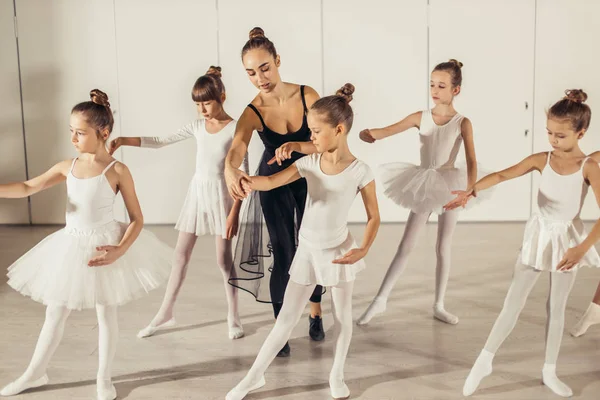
404,354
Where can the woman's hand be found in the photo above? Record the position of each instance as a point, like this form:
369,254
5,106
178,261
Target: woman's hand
284,152
233,179
114,145
366,136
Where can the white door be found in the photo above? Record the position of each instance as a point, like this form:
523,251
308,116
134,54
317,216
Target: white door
495,41
381,48
67,48
161,52
567,58
12,147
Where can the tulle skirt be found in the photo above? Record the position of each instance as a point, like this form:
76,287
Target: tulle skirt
313,265
206,208
268,237
546,241
56,271
426,190
265,247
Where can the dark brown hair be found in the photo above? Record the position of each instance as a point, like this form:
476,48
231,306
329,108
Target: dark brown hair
258,40
336,109
453,67
97,111
572,108
209,86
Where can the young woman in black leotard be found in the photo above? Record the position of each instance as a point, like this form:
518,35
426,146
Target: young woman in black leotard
278,114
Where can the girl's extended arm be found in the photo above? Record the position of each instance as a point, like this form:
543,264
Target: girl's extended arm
53,176
412,121
266,183
529,164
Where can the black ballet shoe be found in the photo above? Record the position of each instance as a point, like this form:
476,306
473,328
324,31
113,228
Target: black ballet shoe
315,328
285,351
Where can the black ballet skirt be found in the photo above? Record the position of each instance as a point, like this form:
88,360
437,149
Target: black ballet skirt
269,221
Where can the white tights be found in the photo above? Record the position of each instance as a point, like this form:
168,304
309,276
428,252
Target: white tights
414,225
524,279
294,301
183,254
50,337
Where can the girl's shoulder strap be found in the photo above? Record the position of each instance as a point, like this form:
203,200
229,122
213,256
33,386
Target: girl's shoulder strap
583,163
113,162
426,121
73,165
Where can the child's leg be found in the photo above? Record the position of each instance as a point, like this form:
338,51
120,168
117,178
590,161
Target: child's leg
183,253
48,341
446,224
341,296
108,336
561,284
294,301
591,316
414,225
224,261
524,278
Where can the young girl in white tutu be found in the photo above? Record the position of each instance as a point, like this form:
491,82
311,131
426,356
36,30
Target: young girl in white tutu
208,209
327,254
425,188
95,261
555,240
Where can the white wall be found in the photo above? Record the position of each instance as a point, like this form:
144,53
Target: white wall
148,64
12,151
158,62
567,58
388,86
63,57
497,82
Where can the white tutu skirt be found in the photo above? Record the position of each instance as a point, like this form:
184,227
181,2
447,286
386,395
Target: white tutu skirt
56,271
546,241
206,208
426,190
312,265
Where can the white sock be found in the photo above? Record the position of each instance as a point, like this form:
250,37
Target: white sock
481,369
224,261
441,314
341,296
244,387
236,330
152,329
22,384
377,306
591,317
294,301
446,225
339,390
48,341
105,389
551,380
